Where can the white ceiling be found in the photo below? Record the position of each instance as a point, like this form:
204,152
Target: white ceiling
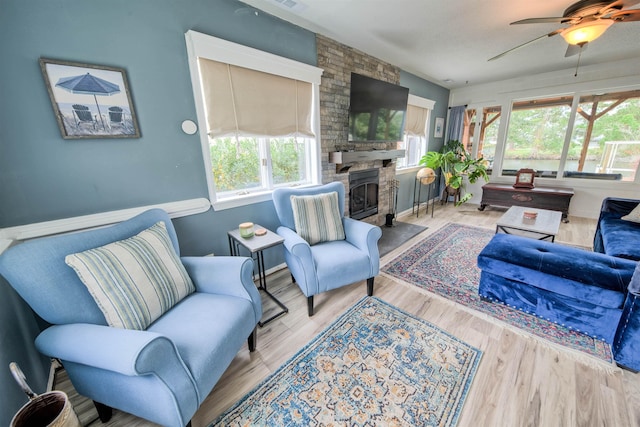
449,41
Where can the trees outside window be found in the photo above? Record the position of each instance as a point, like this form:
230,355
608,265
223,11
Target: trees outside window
488,133
243,165
536,135
606,137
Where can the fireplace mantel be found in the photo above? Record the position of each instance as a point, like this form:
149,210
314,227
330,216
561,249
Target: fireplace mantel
345,159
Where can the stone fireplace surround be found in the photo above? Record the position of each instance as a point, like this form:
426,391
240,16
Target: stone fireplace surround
338,62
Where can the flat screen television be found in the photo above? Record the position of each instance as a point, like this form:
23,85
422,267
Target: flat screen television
377,110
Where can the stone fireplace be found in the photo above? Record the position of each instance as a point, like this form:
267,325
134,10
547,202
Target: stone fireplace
340,158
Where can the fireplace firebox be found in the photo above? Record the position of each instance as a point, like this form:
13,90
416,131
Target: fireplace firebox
363,193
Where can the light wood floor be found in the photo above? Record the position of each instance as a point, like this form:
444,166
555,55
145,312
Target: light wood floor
521,380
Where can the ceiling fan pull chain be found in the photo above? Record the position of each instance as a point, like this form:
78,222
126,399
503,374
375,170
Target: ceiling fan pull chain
579,56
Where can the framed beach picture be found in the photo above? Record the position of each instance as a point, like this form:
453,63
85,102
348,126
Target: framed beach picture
90,101
439,130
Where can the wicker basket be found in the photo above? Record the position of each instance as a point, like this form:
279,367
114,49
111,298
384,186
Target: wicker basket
51,409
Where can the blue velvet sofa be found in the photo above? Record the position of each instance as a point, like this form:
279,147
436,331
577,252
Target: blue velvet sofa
590,292
615,236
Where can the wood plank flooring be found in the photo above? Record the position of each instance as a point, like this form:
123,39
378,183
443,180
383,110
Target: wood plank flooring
521,380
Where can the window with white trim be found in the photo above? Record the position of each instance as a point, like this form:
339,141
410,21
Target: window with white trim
258,114
587,136
416,131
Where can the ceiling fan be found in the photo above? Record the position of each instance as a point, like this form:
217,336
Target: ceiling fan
587,20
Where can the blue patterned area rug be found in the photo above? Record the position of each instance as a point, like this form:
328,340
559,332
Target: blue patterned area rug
445,263
375,365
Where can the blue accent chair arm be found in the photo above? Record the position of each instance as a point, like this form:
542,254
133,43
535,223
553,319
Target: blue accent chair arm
365,237
93,345
361,234
219,275
300,260
294,243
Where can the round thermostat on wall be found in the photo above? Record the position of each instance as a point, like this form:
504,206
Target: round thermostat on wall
189,127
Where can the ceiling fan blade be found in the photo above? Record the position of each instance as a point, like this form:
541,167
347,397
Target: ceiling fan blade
615,7
626,15
556,20
553,33
574,49
622,4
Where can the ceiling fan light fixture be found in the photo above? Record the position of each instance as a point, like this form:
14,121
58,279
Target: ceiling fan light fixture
586,32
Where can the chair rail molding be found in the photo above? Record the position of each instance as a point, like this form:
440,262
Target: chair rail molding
40,229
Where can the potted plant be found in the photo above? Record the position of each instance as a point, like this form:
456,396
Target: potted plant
456,163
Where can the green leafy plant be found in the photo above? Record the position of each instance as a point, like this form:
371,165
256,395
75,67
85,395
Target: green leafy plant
456,163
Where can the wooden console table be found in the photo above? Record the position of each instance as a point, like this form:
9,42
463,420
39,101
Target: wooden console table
554,199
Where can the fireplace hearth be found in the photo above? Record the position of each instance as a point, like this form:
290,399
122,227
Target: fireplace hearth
363,193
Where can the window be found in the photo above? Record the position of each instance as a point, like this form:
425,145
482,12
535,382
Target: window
605,143
487,140
261,116
244,165
416,130
536,135
604,140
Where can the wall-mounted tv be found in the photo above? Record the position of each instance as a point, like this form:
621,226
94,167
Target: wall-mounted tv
377,110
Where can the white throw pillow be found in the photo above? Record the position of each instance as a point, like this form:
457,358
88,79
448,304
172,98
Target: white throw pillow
134,281
317,218
634,215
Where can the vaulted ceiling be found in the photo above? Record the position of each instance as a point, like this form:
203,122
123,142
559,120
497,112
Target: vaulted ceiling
450,42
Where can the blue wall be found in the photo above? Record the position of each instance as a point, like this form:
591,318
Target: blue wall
44,177
425,89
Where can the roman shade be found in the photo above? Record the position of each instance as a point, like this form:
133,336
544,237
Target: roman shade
244,102
416,120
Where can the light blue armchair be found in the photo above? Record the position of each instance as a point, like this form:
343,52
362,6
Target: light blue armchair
331,264
163,372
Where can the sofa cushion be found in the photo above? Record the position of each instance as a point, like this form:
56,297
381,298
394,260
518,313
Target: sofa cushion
134,281
619,237
332,270
317,218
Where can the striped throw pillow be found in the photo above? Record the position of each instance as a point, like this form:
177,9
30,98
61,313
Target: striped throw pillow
134,281
317,218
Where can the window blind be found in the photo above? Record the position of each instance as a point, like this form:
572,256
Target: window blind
416,120
244,102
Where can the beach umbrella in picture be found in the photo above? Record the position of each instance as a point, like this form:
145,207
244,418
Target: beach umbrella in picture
88,84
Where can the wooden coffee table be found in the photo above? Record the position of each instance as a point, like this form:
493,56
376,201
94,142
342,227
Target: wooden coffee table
544,227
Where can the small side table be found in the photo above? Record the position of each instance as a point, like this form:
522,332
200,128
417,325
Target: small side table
256,245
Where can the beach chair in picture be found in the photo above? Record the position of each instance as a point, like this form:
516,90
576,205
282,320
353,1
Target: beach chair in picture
82,115
116,117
